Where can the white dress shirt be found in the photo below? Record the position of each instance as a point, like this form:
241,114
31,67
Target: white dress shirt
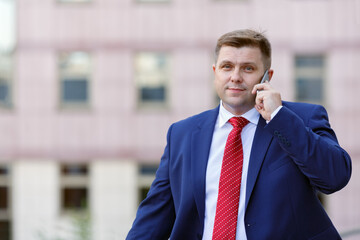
221,132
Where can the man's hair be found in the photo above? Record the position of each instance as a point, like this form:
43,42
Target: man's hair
246,38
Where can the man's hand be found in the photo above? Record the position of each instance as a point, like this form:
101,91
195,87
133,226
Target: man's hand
267,99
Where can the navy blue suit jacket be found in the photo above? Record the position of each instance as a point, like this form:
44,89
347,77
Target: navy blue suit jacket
293,156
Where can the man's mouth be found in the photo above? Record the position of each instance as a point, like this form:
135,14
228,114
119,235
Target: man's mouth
236,89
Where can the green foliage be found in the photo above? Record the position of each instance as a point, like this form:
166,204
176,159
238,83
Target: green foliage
80,228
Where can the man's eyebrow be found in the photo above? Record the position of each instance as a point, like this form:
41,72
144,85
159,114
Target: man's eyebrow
248,63
225,61
242,63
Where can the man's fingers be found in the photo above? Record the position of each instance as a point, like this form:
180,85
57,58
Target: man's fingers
260,87
259,98
259,101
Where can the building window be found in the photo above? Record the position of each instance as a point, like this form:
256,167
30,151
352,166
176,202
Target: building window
310,71
75,71
74,187
6,76
3,197
5,216
146,177
7,48
152,75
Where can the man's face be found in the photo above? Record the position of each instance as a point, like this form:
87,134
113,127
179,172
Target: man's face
237,70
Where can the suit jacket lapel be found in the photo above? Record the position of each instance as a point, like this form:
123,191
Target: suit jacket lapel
200,148
262,140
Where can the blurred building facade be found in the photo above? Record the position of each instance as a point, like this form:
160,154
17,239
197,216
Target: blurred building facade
89,88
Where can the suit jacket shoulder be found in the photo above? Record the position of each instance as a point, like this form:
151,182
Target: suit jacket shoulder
197,119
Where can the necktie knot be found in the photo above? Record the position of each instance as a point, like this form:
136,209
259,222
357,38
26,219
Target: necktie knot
238,122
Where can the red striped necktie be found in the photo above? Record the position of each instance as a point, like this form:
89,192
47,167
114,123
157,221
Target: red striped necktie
229,184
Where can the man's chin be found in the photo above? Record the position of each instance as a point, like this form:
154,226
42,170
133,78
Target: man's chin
237,107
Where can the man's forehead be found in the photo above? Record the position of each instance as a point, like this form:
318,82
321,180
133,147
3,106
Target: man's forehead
245,49
245,54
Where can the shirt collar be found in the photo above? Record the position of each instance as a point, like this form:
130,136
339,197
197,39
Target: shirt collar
224,115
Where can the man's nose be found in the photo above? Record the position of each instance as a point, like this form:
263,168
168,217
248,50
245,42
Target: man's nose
236,76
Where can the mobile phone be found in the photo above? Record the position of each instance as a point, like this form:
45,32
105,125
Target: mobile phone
265,77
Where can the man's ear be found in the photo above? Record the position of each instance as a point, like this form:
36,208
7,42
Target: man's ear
214,67
270,72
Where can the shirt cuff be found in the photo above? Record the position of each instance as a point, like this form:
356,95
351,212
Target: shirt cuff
273,114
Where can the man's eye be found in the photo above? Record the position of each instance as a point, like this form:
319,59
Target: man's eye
249,68
227,66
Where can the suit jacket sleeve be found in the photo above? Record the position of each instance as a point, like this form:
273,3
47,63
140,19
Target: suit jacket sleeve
305,134
156,214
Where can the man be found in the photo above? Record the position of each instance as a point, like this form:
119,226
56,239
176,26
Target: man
218,180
